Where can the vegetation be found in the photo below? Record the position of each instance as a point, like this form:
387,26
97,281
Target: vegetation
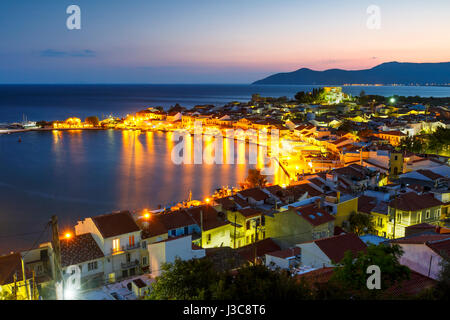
254,179
437,142
442,289
360,224
351,274
316,96
198,279
92,120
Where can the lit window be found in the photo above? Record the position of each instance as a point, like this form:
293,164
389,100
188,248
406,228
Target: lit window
116,245
131,241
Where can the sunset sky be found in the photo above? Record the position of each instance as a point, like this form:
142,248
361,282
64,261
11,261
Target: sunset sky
211,41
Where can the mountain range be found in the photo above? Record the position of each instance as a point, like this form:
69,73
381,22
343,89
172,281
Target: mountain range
388,73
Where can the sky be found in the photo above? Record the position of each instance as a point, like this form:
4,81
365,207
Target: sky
212,41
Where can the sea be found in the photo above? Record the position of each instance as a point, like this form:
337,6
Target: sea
78,174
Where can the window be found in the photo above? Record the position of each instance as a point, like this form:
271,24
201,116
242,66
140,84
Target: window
209,237
92,266
437,213
399,216
128,257
144,244
186,230
144,261
131,241
247,226
116,245
263,220
427,215
173,233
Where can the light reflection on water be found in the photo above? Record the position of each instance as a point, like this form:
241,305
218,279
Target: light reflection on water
76,174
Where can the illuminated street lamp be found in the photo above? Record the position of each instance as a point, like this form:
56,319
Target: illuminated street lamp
392,100
67,235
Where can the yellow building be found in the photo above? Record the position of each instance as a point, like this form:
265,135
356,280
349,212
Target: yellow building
298,224
410,209
12,282
342,205
395,164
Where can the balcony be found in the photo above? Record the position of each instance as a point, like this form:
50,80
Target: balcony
125,248
130,264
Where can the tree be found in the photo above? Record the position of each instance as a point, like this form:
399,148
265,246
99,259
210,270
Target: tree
259,283
442,289
92,120
351,272
255,179
185,280
360,224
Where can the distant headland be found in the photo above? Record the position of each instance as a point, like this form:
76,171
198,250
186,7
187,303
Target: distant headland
389,73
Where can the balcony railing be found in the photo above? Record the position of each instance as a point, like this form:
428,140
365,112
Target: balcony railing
130,264
125,248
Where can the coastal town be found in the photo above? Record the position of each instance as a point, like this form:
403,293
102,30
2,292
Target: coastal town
356,173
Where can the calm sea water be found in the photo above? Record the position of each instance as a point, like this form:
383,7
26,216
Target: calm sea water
79,174
76,174
58,102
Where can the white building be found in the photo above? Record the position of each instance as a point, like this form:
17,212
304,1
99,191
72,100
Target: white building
166,251
119,238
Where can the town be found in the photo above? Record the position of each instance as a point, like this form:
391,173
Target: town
360,174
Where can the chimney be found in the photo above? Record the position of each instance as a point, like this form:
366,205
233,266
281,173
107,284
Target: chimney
317,203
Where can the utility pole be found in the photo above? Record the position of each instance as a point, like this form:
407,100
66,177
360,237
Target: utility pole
57,254
15,285
24,278
395,213
234,241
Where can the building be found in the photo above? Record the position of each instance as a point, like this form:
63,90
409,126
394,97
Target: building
166,251
410,208
285,259
119,238
423,253
15,280
83,252
325,252
300,222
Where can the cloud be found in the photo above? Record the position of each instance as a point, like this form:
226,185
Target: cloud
51,53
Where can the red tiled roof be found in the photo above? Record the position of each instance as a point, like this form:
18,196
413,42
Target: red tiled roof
314,215
287,253
78,249
421,239
441,247
262,247
155,227
250,212
226,203
366,204
335,247
9,265
255,193
302,188
412,286
411,201
430,174
114,224
211,218
176,219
